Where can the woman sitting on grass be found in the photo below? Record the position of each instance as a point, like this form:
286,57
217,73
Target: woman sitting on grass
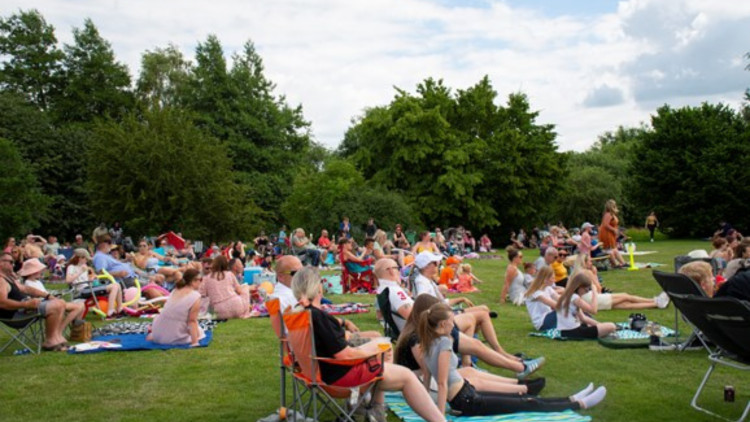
178,321
227,297
485,394
541,299
571,310
513,288
330,343
408,352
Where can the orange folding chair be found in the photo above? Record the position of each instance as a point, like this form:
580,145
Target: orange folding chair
286,362
301,340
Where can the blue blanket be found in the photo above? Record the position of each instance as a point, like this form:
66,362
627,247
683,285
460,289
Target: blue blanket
131,342
397,404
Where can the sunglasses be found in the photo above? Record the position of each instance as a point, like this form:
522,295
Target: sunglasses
291,273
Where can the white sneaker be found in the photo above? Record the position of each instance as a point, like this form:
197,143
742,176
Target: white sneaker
662,300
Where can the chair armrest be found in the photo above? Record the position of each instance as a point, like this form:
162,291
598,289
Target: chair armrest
352,361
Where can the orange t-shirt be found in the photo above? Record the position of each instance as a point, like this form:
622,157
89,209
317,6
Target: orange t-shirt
446,276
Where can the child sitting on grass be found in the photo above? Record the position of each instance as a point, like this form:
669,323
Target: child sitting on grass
571,310
466,280
541,300
529,271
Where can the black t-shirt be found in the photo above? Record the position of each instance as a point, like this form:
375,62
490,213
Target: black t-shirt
14,293
330,339
738,286
405,357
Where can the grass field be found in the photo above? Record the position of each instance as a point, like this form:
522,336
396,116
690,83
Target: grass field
236,377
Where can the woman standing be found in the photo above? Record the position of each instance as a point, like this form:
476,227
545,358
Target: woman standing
178,321
651,224
608,232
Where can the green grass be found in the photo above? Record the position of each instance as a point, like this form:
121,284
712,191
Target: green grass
236,377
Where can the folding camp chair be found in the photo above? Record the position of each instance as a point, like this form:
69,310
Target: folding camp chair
28,332
355,281
286,362
726,322
680,284
390,328
323,396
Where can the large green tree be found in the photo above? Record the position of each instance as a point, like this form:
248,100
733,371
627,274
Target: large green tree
96,84
163,79
32,64
459,158
21,201
269,141
162,173
691,168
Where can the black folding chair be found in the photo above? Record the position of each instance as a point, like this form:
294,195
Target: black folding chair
28,332
390,328
726,322
680,284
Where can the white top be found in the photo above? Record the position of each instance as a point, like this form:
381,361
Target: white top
423,285
397,297
570,321
285,296
527,279
516,290
82,279
539,263
37,284
538,309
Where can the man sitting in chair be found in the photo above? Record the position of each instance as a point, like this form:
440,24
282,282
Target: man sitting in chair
302,247
18,301
388,274
104,261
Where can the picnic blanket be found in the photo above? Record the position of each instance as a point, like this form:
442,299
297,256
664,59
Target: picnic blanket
623,333
260,311
129,343
397,404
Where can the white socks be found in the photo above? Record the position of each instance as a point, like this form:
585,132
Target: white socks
583,393
594,398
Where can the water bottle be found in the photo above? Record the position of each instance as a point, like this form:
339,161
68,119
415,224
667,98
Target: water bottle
20,352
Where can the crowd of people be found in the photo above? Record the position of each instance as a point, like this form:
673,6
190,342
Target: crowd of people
438,329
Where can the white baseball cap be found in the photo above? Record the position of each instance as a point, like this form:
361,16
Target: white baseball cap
424,259
586,225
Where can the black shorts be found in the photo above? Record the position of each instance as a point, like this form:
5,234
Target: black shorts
583,331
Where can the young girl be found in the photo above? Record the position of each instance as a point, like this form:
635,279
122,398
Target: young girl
541,300
571,320
485,394
466,280
529,272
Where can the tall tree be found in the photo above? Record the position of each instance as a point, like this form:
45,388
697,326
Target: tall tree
162,173
96,85
21,201
32,63
268,140
164,77
690,168
459,158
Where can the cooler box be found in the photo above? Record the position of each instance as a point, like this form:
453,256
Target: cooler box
252,275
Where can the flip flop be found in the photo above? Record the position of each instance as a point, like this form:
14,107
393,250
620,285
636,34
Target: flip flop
60,347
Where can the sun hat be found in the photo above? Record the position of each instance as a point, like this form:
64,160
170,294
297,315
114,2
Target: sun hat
31,266
425,258
83,253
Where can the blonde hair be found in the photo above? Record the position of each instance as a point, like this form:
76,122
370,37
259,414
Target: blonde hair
581,263
465,269
306,283
582,279
611,207
428,322
541,277
700,272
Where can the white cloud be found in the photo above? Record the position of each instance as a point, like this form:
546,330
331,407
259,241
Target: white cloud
337,57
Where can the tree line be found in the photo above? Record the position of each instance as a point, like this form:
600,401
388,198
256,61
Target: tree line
207,147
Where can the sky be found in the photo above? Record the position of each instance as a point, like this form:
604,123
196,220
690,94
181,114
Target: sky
587,66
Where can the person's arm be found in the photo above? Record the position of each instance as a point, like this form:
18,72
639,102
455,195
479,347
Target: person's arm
459,300
476,279
606,222
588,307
585,319
10,304
552,303
416,351
73,275
348,325
404,311
444,360
30,291
510,274
193,323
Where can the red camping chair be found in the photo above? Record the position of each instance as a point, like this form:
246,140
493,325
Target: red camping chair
301,340
355,281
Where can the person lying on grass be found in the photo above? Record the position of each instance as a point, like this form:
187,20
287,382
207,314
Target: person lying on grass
330,343
474,393
607,301
571,310
408,352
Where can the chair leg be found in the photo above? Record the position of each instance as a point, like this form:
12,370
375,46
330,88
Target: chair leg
694,402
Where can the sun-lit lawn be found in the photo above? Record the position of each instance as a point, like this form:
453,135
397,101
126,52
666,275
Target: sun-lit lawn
236,377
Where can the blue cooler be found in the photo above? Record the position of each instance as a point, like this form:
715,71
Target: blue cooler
251,275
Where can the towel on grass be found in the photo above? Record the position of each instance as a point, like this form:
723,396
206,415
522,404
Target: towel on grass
129,343
623,332
397,404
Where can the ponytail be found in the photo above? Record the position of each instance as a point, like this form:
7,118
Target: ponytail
428,323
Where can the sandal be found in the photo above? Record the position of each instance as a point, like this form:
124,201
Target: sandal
60,347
